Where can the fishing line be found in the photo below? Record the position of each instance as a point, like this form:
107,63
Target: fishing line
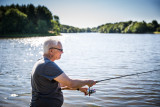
126,76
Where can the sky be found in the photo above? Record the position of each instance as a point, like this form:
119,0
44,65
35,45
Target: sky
92,13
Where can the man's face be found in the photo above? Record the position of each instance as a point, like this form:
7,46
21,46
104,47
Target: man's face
58,51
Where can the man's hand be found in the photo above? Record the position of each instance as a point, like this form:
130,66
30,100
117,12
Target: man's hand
84,90
91,83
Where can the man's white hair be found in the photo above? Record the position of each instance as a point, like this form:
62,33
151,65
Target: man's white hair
48,44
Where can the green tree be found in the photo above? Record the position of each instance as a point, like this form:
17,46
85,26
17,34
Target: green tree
56,18
30,28
69,30
150,27
42,26
139,27
55,27
155,24
27,19
88,30
44,14
14,21
31,12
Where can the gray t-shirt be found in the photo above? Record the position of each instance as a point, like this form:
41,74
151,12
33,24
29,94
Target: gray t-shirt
43,83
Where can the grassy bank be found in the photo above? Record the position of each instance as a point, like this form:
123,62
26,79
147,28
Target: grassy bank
26,35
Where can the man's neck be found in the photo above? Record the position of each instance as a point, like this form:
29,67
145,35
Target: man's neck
50,58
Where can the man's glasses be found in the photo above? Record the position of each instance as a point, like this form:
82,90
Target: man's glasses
57,49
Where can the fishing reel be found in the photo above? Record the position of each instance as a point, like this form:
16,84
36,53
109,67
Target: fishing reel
91,91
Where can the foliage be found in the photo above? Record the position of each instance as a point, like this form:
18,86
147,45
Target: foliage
71,29
121,27
55,27
27,19
128,27
42,26
14,21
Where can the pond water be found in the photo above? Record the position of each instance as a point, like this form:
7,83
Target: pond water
87,56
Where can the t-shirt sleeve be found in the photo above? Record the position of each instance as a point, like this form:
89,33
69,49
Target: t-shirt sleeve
51,71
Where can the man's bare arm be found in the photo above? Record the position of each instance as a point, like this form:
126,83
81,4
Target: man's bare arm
73,83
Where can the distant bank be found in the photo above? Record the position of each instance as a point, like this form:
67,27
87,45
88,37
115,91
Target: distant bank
119,27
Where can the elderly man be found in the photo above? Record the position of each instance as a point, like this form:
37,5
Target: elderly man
47,79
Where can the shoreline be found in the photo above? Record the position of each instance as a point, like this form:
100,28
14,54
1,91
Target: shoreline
53,34
156,32
26,35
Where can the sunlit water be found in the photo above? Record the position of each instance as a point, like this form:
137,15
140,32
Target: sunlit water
87,56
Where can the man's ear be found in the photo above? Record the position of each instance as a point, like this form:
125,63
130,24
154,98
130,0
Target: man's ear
50,51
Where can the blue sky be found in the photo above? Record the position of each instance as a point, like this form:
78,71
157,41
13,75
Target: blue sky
92,13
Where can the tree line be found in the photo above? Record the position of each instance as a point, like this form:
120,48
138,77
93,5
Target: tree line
28,19
71,29
129,27
120,27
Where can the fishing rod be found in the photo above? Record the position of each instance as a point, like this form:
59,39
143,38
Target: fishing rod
126,76
91,91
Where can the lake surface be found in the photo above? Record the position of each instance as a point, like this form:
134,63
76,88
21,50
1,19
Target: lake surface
87,56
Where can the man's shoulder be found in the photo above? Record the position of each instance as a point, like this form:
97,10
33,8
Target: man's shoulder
43,61
47,64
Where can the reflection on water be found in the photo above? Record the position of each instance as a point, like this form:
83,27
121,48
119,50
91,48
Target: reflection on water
87,56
